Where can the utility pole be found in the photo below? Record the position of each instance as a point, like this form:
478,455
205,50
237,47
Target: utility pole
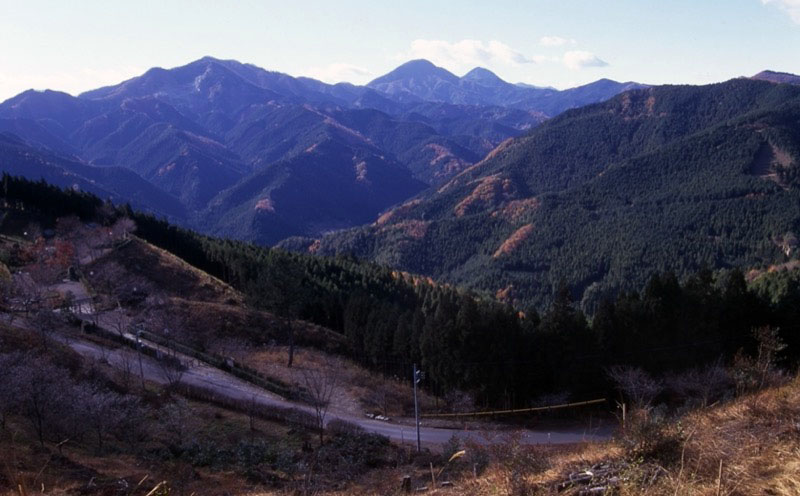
139,352
417,377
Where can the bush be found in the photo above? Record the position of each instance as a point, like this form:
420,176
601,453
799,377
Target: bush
650,437
478,457
518,462
253,459
342,427
349,455
451,447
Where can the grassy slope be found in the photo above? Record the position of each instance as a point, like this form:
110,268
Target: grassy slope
756,437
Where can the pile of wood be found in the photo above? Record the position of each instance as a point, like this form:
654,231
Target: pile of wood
600,478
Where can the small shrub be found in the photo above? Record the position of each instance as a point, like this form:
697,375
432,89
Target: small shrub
650,437
478,458
245,456
452,446
342,427
518,462
349,455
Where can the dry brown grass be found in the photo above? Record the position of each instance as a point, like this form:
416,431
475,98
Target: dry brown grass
361,391
755,440
168,273
75,469
756,437
243,322
495,481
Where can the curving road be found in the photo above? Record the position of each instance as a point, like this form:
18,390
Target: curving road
227,385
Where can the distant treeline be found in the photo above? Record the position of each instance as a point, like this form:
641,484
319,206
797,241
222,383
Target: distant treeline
462,341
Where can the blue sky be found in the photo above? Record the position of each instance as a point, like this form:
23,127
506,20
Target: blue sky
75,46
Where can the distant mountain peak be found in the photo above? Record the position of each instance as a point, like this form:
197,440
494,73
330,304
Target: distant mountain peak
535,87
416,69
777,77
208,58
50,94
483,76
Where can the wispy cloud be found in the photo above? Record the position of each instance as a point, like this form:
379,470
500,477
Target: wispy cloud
338,72
554,41
791,7
580,59
467,53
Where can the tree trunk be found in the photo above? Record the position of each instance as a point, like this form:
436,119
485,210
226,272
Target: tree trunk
40,429
291,343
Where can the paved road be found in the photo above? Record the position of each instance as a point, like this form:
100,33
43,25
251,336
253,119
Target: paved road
226,385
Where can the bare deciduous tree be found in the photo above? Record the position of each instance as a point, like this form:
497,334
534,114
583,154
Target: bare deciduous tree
9,394
7,293
701,384
126,368
46,322
55,404
90,246
636,384
321,382
111,280
752,373
118,320
171,369
43,390
122,229
102,411
26,294
177,422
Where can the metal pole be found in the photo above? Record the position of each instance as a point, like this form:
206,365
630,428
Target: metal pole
139,352
416,406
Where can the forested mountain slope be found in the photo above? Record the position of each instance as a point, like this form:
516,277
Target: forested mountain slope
666,178
389,320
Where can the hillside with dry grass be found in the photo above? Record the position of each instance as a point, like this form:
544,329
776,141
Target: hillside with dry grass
740,446
122,360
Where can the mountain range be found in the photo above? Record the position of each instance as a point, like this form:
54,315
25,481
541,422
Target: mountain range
669,178
235,150
506,189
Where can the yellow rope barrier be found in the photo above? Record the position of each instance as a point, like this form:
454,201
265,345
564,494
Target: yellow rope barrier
518,410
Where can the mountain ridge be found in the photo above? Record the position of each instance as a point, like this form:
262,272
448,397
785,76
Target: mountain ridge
652,180
196,131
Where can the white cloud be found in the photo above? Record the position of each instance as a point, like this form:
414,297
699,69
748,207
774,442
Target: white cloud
466,53
541,59
338,72
554,41
791,7
580,59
